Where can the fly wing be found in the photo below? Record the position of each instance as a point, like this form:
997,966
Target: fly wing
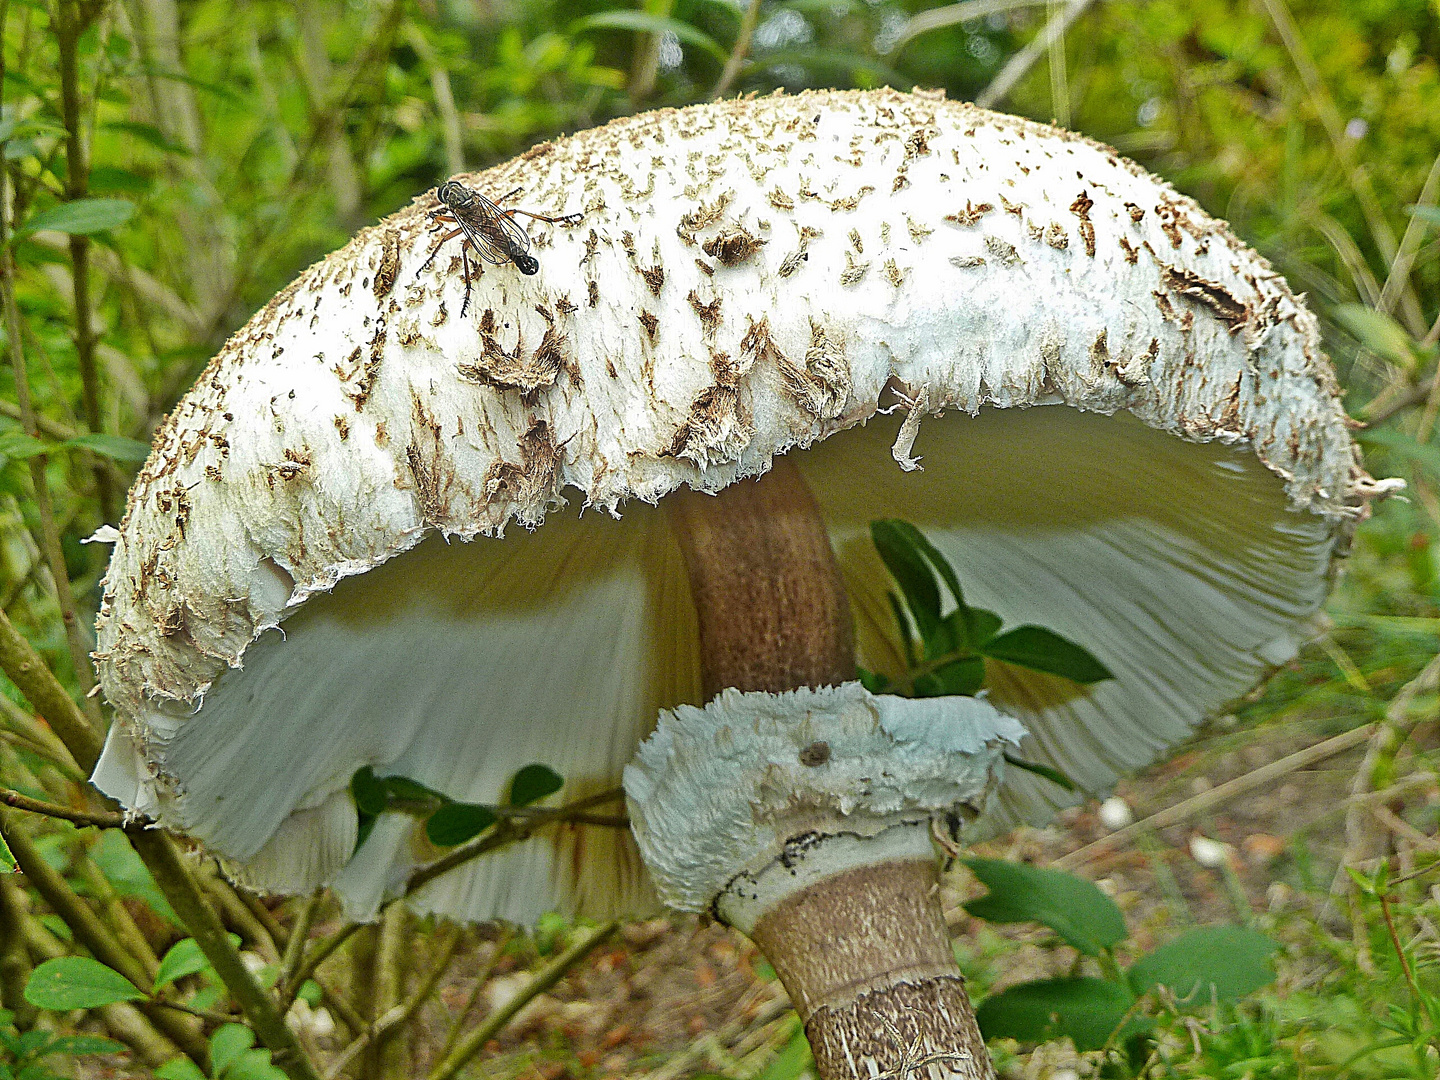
475,234
518,237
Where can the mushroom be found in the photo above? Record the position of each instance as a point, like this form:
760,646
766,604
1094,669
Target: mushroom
778,320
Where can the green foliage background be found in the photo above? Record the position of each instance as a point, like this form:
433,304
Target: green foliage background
236,141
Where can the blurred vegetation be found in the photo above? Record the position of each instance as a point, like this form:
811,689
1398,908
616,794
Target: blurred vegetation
169,164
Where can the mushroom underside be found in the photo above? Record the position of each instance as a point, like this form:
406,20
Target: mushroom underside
1179,565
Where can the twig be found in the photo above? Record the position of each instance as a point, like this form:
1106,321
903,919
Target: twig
91,932
1017,66
1400,827
1207,800
50,534
952,14
105,819
295,945
43,423
317,956
1360,184
1384,739
541,981
509,831
29,672
448,942
39,739
181,890
1410,242
444,98
457,1025
736,60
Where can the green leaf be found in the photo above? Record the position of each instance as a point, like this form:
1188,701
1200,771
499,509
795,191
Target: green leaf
184,958
1044,650
78,982
960,678
793,1060
7,860
981,626
18,446
1074,908
111,446
368,791
1378,332
1087,1010
80,216
454,823
1055,776
180,1068
647,23
533,783
227,1044
147,133
1425,213
128,874
1221,963
874,681
85,1044
402,787
254,1065
894,541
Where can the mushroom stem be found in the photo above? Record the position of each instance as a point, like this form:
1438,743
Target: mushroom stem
772,608
852,923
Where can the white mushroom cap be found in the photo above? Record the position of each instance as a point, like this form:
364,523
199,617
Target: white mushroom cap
750,277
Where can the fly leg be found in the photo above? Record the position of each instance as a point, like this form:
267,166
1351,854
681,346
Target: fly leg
564,219
436,250
465,262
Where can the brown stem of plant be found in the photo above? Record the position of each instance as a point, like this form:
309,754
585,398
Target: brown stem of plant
91,931
541,981
510,830
181,889
123,1021
50,534
32,676
103,818
447,943
70,23
736,60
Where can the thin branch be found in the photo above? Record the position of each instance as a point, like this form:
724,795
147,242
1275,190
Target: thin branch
317,956
1019,64
295,945
509,831
448,941
736,60
180,888
1208,800
953,14
91,932
29,672
457,1025
541,981
70,22
1344,150
105,819
50,534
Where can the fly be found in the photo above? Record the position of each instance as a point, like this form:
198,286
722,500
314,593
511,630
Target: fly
494,233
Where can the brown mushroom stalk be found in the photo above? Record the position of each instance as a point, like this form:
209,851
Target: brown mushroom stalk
864,953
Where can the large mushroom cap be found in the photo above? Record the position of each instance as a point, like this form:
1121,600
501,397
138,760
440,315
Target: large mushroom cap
750,278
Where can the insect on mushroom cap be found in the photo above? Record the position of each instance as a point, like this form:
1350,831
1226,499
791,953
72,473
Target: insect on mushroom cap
1174,501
